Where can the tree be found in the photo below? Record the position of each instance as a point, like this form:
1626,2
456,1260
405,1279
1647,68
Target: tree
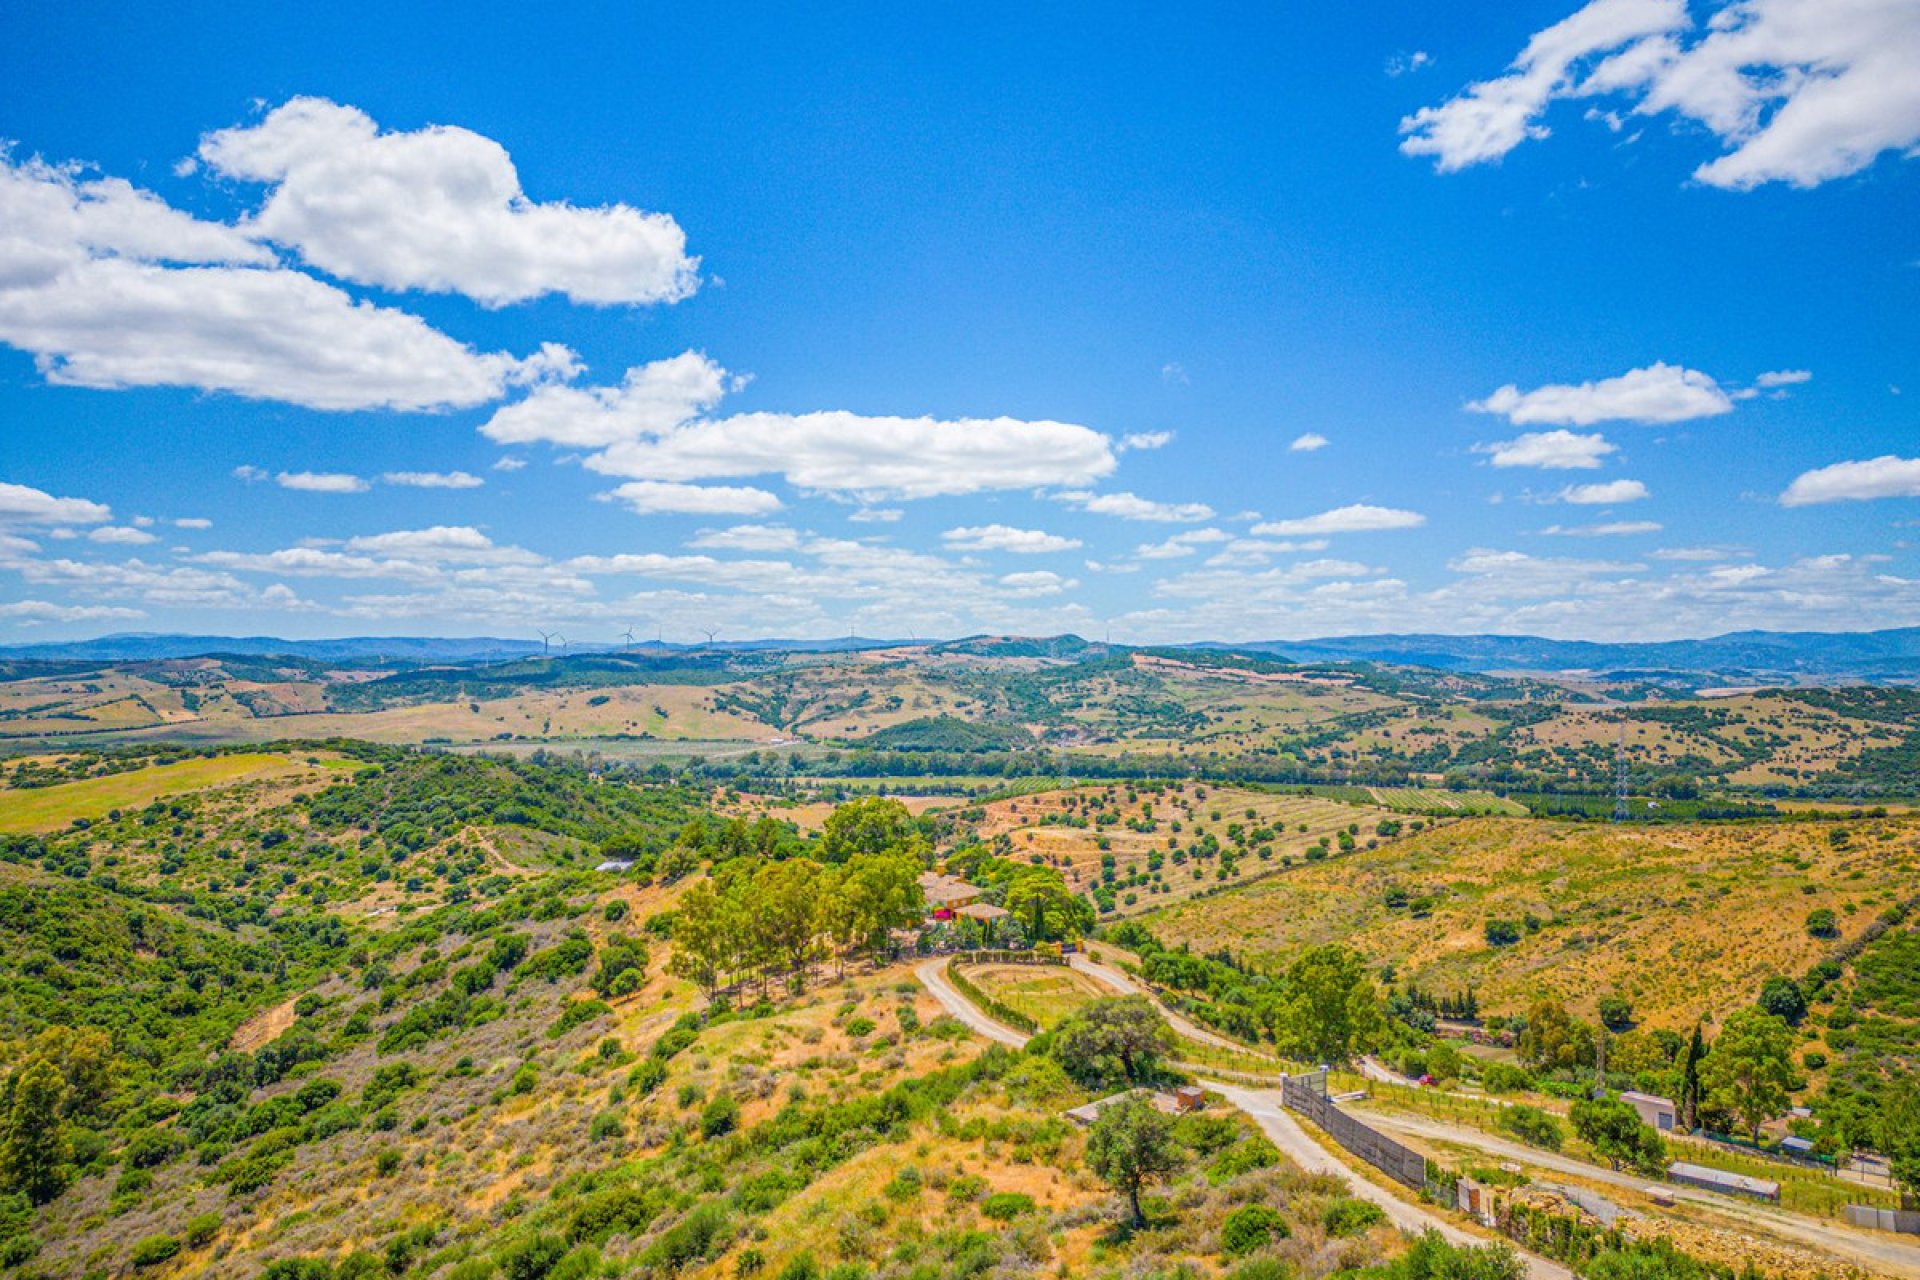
1126,1030
1899,1136
875,824
1783,998
1329,1011
1822,923
788,905
1690,1091
1554,1040
1045,906
1616,1013
699,941
1616,1132
880,892
1750,1069
33,1145
1129,1147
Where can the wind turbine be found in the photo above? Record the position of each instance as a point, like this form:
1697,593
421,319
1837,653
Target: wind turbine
710,634
627,635
546,640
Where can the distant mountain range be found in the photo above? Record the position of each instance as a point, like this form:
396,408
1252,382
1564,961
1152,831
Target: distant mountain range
1891,655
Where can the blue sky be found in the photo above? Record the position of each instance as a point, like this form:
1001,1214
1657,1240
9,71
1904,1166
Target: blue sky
1233,323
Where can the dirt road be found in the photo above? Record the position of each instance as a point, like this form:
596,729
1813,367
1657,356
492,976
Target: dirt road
1185,1028
1263,1105
933,976
1859,1247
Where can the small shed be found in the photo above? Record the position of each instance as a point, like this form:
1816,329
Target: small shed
1733,1184
1189,1097
1795,1146
1654,1109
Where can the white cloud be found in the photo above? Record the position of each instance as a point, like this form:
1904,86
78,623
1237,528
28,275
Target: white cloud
1357,517
1181,544
36,611
1796,91
439,209
457,544
1401,64
652,400
1000,537
1308,442
121,535
1883,477
1658,393
320,482
1549,450
650,427
509,464
660,497
1783,378
748,537
108,287
1595,495
838,452
20,504
1128,506
193,522
1145,440
432,479
1174,373
1041,582
1610,529
876,515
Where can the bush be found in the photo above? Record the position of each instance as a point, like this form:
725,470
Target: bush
201,1229
1813,1059
1616,1014
1349,1217
153,1251
1003,1206
1502,933
1504,1077
607,1126
721,1117
1262,1269
1244,1157
1255,1226
647,1077
861,1026
1533,1126
1823,923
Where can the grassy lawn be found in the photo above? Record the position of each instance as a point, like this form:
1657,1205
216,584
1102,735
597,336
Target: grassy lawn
51,808
1046,993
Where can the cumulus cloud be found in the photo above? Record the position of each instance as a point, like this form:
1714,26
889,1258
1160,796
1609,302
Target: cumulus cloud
1608,529
1040,582
321,482
1000,537
1783,378
1145,440
1357,517
1308,442
108,287
1129,506
432,479
438,209
121,535
1549,450
653,427
193,522
1795,91
651,401
20,504
1181,545
1595,495
1887,476
665,497
748,537
1656,394
454,544
30,612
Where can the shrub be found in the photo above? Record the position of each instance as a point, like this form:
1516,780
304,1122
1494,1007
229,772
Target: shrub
861,1026
201,1229
647,1077
1504,1077
1616,1014
688,1240
533,1259
607,1126
1533,1126
1502,933
1245,1157
1262,1269
1822,923
721,1117
1002,1206
1813,1059
801,1268
386,1163
1349,1217
1255,1226
153,1251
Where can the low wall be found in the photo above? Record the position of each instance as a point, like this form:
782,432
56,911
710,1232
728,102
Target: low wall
1905,1221
1396,1161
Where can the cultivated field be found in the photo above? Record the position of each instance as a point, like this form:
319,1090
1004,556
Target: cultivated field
53,808
1685,921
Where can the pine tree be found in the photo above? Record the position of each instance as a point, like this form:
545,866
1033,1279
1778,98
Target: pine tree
1690,1079
33,1146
